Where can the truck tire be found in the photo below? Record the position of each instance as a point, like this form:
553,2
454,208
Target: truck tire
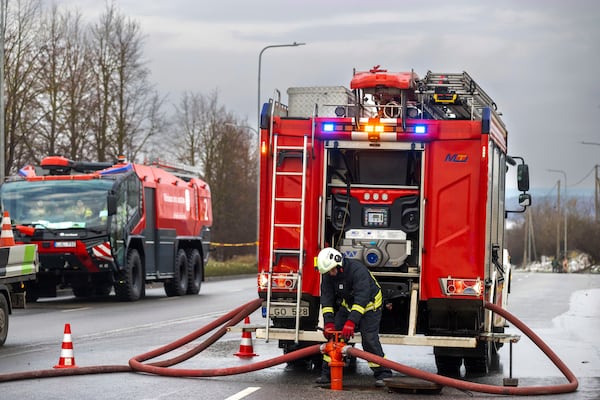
195,271
3,319
487,360
448,365
177,286
130,284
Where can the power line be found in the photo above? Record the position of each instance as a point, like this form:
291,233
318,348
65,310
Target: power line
584,178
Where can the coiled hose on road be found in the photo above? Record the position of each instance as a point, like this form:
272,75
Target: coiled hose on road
136,364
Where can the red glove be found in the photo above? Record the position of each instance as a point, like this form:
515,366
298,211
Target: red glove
348,330
328,330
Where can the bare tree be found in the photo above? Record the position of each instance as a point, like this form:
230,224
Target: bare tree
77,88
210,137
21,67
49,126
128,109
583,231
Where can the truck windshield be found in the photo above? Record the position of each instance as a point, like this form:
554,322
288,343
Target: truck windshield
56,204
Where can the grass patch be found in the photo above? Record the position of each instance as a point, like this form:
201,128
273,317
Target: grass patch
239,265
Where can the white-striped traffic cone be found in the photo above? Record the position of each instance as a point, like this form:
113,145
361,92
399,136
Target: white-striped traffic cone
67,359
246,348
6,237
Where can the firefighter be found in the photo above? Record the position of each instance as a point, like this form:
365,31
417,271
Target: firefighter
351,301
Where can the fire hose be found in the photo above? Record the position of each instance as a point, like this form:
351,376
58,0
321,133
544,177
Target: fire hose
569,387
136,364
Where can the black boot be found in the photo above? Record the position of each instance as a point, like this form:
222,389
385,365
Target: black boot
325,377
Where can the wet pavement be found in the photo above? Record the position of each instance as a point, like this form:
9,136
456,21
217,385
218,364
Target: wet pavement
561,308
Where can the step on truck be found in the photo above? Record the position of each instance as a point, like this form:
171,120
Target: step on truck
105,225
18,265
407,175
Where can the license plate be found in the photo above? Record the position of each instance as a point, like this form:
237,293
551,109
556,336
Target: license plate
287,312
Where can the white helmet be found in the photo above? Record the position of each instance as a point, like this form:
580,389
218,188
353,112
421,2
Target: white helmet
328,259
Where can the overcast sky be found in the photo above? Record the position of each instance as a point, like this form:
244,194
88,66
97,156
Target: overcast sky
538,60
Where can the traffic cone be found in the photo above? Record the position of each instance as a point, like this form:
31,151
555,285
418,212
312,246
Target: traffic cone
246,348
6,237
66,360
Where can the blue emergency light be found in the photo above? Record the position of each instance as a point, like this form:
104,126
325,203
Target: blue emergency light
328,127
420,129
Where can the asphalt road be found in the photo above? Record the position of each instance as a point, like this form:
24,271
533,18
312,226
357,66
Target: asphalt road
561,308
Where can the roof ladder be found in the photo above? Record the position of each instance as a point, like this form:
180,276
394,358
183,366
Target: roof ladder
280,153
458,91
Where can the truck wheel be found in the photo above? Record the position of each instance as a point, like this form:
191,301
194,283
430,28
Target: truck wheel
448,365
195,270
3,319
177,286
130,284
486,361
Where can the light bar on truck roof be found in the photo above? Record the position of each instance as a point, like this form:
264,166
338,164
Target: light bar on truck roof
336,127
117,169
373,129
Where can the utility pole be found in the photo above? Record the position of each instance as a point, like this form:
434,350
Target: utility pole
596,192
560,171
558,220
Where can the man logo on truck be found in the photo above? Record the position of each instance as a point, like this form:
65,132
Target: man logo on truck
456,158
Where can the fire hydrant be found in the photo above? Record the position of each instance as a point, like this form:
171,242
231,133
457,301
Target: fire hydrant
335,350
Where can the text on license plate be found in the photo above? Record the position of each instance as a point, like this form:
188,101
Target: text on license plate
283,312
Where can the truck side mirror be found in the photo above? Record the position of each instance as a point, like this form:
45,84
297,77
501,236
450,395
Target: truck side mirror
523,177
524,199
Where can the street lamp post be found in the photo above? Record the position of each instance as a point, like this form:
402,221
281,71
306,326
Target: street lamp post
295,44
257,131
560,171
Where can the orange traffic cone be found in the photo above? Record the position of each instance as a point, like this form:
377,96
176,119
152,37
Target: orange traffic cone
6,237
246,348
66,360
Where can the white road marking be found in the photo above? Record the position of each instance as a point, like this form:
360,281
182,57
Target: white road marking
76,309
240,395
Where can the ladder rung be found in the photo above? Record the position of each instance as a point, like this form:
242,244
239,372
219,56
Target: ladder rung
287,199
287,251
291,148
292,173
288,225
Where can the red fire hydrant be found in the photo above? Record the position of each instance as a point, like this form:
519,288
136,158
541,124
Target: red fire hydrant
334,348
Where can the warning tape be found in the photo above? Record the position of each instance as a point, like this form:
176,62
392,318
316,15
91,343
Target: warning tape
233,244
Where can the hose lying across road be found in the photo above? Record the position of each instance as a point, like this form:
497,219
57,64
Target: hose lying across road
136,364
479,387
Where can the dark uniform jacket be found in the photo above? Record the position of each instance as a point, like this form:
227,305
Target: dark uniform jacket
353,288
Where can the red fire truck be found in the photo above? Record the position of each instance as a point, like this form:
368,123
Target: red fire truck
102,225
407,175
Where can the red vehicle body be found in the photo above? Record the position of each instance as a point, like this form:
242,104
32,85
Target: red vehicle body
99,226
407,175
